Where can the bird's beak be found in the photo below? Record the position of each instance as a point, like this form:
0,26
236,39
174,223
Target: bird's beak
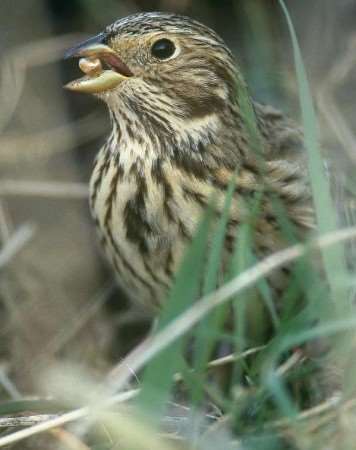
93,53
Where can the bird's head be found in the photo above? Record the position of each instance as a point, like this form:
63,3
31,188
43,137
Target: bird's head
157,60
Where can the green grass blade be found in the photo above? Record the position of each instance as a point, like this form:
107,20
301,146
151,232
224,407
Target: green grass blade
326,216
158,377
205,336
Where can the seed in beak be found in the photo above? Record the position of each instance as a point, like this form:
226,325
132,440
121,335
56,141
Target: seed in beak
91,66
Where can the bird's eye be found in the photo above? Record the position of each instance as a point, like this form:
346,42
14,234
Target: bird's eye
163,49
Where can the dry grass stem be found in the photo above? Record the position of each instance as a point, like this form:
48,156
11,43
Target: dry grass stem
44,189
71,330
25,421
8,385
63,419
15,243
331,404
6,226
229,359
291,362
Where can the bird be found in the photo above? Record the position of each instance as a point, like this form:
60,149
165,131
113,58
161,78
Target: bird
178,136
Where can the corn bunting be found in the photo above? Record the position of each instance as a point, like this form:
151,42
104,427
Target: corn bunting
178,136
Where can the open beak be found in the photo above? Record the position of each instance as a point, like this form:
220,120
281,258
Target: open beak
93,53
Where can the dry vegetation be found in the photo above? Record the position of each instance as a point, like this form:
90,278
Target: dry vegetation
65,327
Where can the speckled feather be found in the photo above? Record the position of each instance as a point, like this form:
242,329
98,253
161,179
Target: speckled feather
177,137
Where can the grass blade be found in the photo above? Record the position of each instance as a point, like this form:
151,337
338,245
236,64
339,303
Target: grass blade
158,377
326,216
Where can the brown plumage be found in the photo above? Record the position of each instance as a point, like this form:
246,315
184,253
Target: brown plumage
177,138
